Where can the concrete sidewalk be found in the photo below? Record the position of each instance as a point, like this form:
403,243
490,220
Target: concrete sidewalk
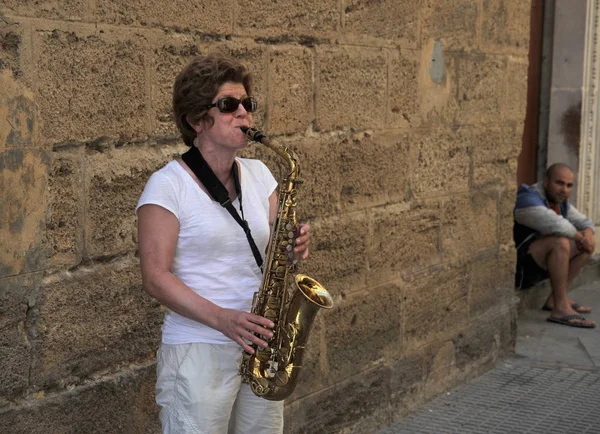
551,385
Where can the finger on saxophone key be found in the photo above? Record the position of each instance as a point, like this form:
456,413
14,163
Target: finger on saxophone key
301,241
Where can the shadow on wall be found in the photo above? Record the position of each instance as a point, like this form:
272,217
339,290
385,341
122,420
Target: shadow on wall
570,127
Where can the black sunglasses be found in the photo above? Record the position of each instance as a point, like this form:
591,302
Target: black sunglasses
229,104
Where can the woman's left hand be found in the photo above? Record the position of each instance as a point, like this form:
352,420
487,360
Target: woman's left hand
302,241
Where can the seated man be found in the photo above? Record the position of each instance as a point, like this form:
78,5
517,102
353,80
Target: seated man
553,240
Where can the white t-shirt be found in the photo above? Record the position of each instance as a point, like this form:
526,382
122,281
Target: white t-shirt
213,256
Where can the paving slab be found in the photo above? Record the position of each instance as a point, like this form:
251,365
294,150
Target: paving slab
543,341
550,386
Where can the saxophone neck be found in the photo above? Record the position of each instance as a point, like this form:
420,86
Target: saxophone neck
283,151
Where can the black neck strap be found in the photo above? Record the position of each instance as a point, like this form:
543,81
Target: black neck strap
193,158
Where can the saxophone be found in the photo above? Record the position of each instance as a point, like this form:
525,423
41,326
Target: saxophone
291,301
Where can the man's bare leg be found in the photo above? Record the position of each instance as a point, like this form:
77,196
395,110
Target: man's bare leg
576,263
554,254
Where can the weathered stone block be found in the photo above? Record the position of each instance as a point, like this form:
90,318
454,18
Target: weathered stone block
91,321
491,285
18,120
319,160
115,180
406,383
435,303
507,205
17,295
470,225
396,20
488,338
440,368
451,22
14,357
337,256
360,404
206,16
514,106
375,168
393,225
11,51
121,404
372,318
506,25
23,175
482,82
69,10
404,97
94,83
438,85
65,211
280,20
441,163
291,109
361,170
495,151
171,54
351,88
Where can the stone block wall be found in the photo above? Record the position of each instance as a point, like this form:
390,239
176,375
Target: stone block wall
407,116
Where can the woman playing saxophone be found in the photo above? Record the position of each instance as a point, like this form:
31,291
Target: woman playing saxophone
198,261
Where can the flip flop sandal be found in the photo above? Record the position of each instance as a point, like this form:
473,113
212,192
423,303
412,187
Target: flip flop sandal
575,306
568,320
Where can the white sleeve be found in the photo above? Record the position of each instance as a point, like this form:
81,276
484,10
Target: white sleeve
545,221
579,220
160,191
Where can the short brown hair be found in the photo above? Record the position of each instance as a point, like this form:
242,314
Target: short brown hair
196,86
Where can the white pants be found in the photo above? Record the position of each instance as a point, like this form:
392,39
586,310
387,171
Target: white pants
199,391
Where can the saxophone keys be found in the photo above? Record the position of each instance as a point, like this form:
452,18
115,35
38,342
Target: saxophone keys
271,314
291,258
290,331
283,354
263,355
286,245
276,287
281,378
273,302
260,386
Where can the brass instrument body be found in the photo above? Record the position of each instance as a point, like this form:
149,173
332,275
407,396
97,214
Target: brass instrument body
273,372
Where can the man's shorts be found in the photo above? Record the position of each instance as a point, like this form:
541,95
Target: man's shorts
528,271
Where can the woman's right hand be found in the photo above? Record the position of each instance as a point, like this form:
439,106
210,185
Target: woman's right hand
242,327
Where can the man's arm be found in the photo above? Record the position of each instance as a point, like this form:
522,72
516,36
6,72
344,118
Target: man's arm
585,239
531,211
579,220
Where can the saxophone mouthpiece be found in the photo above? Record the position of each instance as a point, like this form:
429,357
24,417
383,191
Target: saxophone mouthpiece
255,135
